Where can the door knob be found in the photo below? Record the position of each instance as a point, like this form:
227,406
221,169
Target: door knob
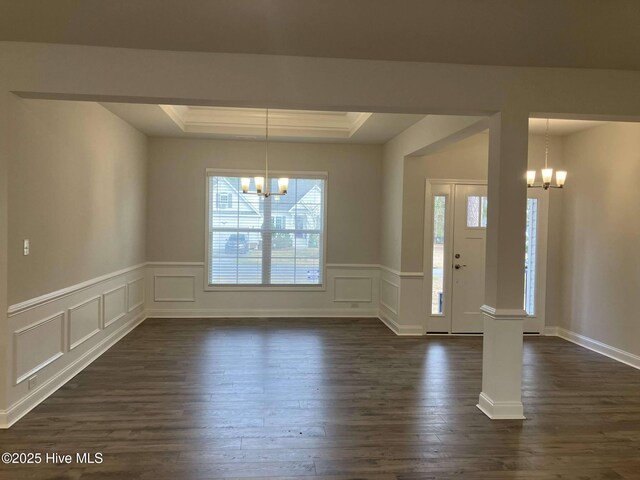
457,266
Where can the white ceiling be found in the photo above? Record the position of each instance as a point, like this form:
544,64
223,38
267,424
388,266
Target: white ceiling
560,127
550,33
229,123
249,123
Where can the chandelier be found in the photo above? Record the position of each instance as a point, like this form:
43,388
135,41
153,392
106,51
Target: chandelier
262,183
547,173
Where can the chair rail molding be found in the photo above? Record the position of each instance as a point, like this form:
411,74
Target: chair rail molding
64,292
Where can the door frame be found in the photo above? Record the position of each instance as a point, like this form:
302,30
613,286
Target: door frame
441,323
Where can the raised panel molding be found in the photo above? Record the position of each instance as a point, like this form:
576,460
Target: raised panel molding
174,287
135,293
83,321
56,346
353,289
389,295
114,305
37,345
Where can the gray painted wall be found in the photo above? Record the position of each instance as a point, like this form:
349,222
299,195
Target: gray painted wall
176,200
77,192
600,235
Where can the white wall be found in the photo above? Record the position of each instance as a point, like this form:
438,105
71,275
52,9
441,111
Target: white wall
176,228
427,132
77,191
176,200
600,235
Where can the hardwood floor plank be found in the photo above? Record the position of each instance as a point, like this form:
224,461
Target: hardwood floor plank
328,399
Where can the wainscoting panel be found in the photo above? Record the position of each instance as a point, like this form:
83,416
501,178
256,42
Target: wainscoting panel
352,289
401,301
135,293
389,295
58,334
179,291
174,288
37,345
114,305
84,322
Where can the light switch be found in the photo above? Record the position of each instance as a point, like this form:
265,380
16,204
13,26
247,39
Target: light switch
26,247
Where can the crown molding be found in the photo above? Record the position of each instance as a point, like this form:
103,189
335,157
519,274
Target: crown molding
251,122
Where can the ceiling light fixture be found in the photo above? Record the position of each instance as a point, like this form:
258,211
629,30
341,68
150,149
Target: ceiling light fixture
547,173
262,183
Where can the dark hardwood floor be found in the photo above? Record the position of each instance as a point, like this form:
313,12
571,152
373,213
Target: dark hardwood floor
330,399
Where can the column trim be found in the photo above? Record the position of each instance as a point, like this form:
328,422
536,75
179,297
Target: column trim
500,410
503,313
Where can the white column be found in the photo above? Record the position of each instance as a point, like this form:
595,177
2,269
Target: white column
501,396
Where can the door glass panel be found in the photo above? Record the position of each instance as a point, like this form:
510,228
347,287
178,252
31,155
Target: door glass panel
476,211
437,290
530,256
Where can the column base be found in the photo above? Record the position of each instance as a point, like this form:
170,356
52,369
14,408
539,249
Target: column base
500,410
501,397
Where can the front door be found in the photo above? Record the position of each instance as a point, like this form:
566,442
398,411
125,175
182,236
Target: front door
469,245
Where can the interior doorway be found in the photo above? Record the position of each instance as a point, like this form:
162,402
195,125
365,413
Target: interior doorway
454,256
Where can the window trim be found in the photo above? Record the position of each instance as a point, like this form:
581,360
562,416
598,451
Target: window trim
319,287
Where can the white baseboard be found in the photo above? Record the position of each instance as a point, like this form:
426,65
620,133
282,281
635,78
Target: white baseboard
596,346
550,331
25,405
400,330
500,410
262,313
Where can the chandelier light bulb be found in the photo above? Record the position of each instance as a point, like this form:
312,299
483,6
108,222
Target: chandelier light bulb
245,184
283,184
547,175
531,177
561,177
259,184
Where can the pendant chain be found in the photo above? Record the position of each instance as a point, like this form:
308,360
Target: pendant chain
266,156
546,146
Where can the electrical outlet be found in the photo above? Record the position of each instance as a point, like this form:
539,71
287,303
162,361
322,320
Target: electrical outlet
33,382
26,247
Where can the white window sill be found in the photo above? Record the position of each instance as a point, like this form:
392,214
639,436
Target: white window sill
265,288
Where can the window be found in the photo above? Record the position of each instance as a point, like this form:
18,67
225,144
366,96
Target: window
476,211
279,222
225,200
256,241
530,256
437,282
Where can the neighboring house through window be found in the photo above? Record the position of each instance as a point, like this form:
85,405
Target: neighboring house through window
254,241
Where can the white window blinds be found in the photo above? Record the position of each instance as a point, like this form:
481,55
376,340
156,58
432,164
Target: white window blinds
274,241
